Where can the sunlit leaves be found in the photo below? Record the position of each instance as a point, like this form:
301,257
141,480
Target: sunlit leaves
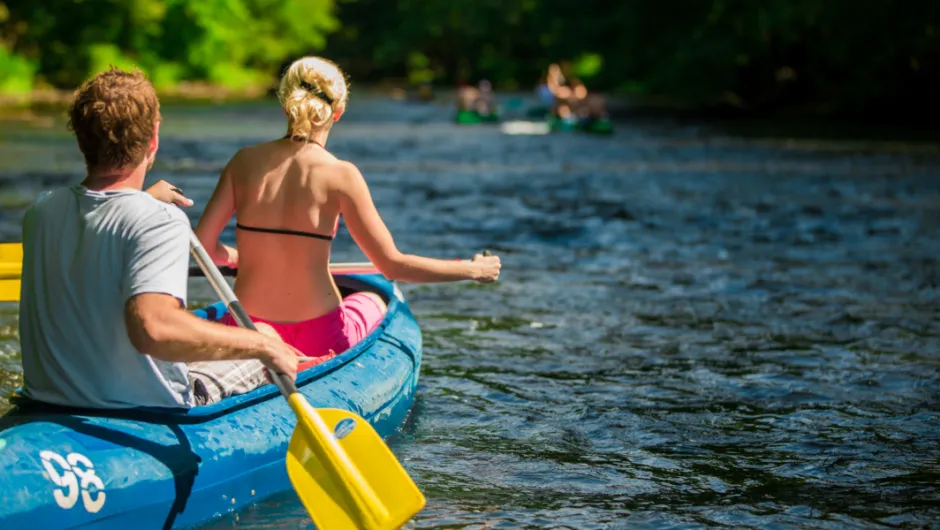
234,43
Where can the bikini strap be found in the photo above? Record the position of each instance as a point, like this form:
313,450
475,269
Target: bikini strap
302,139
283,231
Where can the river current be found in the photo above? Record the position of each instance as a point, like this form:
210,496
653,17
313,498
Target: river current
693,327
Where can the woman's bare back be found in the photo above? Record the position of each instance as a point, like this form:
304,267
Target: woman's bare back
294,184
285,185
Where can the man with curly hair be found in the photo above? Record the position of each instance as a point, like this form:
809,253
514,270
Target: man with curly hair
103,320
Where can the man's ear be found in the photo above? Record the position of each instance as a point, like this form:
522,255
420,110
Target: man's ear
154,139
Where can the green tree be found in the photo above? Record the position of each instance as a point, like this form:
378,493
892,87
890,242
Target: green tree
229,42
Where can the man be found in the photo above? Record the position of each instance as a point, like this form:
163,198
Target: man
102,313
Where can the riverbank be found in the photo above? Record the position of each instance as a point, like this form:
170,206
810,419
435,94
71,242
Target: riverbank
198,92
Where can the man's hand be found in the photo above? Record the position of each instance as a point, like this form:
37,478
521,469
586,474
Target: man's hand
283,359
166,192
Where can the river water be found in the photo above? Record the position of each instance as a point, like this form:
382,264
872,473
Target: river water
693,327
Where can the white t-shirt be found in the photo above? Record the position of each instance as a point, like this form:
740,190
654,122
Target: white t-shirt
85,253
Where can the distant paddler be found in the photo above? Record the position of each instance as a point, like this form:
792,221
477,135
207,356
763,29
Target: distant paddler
574,107
476,104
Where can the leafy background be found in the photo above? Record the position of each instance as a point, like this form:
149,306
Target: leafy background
861,56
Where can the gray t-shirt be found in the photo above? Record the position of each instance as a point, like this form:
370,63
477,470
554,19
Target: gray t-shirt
85,253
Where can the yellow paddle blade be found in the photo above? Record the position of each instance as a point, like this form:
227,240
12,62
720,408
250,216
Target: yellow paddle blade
11,252
9,290
11,269
346,477
11,260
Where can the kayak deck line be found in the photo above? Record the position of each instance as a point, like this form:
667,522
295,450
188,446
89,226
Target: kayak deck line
145,467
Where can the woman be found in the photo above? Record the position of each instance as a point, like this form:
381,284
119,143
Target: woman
287,196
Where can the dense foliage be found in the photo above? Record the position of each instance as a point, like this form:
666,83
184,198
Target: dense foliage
857,54
232,43
836,53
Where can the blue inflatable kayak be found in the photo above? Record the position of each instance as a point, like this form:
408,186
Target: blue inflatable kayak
157,468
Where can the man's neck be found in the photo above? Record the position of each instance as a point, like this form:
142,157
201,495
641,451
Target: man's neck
116,179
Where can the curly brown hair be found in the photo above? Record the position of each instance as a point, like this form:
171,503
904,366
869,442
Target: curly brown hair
113,117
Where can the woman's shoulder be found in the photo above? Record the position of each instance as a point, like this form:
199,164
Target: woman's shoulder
248,158
254,149
322,159
342,173
245,154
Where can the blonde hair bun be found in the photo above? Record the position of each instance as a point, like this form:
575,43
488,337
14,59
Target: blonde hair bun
311,91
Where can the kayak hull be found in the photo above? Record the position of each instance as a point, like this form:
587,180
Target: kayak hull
146,468
588,125
472,117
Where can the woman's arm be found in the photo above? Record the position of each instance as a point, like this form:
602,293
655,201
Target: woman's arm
373,237
217,214
554,78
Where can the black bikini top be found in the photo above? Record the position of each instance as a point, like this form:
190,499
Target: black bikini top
284,231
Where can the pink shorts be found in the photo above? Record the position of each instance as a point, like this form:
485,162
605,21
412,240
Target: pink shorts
327,336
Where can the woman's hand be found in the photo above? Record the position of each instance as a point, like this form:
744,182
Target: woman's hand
228,256
487,268
168,193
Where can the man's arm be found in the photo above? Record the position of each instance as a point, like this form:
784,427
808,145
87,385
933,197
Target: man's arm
158,327
157,322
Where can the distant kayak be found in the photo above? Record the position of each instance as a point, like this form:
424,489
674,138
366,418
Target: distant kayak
470,117
158,468
588,125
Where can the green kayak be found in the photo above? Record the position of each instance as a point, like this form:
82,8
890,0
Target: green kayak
471,117
588,125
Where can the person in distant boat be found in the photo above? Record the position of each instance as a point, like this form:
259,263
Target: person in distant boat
587,105
287,196
577,98
467,96
554,78
478,99
557,85
572,101
544,94
485,103
103,320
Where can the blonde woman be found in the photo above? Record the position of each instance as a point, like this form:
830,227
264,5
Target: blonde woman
287,196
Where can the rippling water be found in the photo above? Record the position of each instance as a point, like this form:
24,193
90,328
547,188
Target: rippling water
692,328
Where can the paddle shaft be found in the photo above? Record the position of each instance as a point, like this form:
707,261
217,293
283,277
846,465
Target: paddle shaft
221,287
